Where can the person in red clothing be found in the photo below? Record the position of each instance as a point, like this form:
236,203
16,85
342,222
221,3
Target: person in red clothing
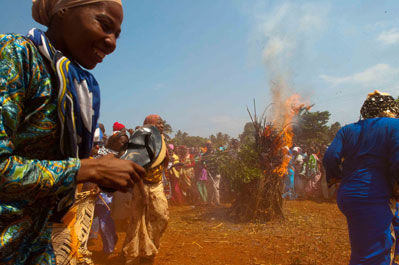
174,176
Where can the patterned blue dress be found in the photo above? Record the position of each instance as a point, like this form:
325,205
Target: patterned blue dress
35,179
365,157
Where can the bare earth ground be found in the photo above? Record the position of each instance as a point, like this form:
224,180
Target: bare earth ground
313,233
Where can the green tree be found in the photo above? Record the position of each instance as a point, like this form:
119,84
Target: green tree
195,141
167,128
332,131
311,128
248,135
182,138
221,139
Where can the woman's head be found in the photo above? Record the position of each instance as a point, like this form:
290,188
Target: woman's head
379,104
117,127
117,141
156,120
182,150
85,31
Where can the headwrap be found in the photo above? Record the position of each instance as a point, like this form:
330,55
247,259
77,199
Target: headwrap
379,104
151,119
44,10
183,148
286,148
117,126
78,103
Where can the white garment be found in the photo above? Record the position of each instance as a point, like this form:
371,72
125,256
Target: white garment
214,194
145,229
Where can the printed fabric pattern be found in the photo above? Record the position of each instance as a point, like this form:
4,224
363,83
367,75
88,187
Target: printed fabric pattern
35,178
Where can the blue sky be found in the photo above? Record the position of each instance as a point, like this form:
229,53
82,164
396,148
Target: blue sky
200,63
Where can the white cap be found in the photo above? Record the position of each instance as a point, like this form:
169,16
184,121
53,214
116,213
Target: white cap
296,149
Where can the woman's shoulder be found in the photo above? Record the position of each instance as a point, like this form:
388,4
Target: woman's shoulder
383,124
389,120
392,123
22,65
12,44
11,37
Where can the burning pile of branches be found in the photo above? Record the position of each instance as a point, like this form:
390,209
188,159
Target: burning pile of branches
261,198
270,140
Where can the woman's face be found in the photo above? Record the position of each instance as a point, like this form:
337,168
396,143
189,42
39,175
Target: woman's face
159,125
117,141
122,141
89,32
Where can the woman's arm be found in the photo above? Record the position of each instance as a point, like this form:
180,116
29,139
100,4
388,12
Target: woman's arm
110,172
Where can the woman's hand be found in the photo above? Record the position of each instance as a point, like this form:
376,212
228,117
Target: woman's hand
110,172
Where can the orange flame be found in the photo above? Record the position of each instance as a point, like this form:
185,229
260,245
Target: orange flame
285,113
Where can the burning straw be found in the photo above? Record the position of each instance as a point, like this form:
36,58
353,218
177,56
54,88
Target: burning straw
273,139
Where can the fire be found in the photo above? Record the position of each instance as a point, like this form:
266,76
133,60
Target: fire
285,117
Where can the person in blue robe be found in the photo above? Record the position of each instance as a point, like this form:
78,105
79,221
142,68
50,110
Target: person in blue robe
364,158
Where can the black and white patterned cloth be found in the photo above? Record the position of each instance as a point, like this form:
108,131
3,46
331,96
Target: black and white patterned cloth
103,151
378,104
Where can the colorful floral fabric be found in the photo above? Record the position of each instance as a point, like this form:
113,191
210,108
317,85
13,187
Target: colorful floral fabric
35,179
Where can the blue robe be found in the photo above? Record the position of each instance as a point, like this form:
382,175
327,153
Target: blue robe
106,223
364,156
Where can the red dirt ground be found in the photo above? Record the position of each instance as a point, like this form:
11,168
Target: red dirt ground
312,233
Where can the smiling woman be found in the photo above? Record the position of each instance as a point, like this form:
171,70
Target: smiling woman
50,107
85,31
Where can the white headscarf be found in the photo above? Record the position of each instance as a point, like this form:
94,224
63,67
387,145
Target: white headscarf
43,10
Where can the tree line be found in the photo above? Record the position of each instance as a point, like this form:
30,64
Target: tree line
310,128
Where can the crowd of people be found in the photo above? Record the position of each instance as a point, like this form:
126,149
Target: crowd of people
142,211
192,176
305,177
182,176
